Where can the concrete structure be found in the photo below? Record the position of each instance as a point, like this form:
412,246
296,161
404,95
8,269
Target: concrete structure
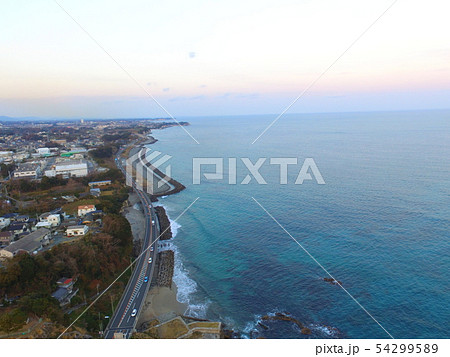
29,244
74,231
69,168
99,183
28,170
83,210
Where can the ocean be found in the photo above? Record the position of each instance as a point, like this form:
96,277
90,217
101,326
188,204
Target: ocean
380,224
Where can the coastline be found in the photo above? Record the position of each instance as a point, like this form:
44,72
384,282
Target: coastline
162,304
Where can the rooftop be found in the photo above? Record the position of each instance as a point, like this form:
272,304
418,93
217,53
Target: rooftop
30,242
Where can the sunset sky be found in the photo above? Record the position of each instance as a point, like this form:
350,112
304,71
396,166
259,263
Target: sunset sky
221,57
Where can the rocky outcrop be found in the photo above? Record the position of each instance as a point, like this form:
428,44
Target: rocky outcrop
279,316
282,317
332,281
164,223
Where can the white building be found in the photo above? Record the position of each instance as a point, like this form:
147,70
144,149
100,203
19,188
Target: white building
43,151
69,168
53,219
28,170
73,231
83,210
4,222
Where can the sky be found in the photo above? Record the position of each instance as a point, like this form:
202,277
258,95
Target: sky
221,57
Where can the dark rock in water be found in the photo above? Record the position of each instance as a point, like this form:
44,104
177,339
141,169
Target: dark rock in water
332,281
306,331
227,334
282,317
263,326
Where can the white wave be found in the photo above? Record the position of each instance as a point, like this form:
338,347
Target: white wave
186,286
326,330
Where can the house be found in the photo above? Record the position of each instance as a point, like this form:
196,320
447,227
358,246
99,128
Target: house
95,192
28,244
17,228
53,219
83,210
73,231
22,219
28,170
65,291
88,218
44,225
6,238
4,222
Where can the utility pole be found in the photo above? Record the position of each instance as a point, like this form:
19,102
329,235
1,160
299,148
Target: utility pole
112,304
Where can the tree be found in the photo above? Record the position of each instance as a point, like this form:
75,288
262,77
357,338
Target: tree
13,320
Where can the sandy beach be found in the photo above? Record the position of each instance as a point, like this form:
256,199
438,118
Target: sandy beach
161,303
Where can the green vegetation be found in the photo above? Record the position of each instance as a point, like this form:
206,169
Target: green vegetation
12,320
95,261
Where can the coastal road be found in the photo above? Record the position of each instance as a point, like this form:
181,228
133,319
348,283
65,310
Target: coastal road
122,321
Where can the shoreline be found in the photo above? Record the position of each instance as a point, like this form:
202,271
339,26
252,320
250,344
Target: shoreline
161,308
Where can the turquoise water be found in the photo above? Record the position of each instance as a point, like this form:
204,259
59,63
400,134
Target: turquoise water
380,224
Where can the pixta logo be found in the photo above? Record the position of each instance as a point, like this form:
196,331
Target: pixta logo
145,170
307,169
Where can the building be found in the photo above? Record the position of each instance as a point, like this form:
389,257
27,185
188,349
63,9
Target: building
77,231
95,192
99,183
69,168
22,218
4,222
17,228
28,170
30,243
43,151
43,225
83,210
65,291
6,238
53,219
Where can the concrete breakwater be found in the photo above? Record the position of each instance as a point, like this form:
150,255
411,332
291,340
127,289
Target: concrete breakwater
165,268
166,259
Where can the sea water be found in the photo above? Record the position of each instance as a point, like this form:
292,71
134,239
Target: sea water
380,224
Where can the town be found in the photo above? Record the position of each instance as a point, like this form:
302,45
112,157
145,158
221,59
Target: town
62,236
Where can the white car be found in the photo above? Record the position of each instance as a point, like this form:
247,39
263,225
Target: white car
133,313
152,248
150,260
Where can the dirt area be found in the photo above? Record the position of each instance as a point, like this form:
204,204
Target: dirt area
135,217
